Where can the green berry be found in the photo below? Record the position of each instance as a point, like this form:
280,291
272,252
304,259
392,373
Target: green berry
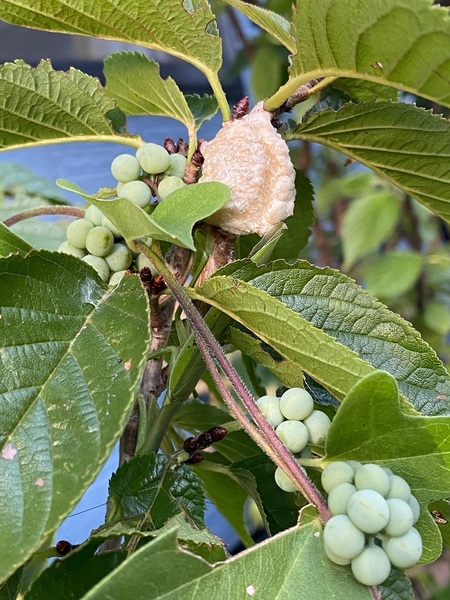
77,232
336,473
99,241
372,477
336,559
94,215
138,192
368,510
142,261
153,158
339,497
169,185
293,434
116,278
177,165
99,264
270,408
398,488
318,424
415,507
67,248
401,517
119,259
283,481
109,225
125,167
372,566
296,403
404,551
342,538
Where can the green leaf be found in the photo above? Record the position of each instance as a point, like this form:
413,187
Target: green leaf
225,491
280,508
348,313
284,369
267,71
293,562
369,426
203,107
16,179
196,416
437,317
11,243
134,81
275,24
407,145
394,274
42,105
360,90
396,587
71,359
401,43
171,221
185,29
153,487
368,222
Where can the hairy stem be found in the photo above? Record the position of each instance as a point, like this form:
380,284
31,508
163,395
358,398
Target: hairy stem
210,349
68,211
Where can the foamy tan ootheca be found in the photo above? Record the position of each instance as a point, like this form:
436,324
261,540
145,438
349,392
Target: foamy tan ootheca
250,156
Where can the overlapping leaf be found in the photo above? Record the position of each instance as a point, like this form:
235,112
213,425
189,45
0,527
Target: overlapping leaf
407,145
71,357
135,82
292,560
171,221
268,20
42,105
320,305
185,29
370,427
10,243
401,43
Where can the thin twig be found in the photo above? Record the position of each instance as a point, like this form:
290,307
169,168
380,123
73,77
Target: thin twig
68,211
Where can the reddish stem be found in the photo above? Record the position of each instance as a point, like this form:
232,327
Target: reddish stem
68,211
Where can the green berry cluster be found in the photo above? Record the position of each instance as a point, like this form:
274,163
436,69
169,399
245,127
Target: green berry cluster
373,517
151,172
96,240
297,424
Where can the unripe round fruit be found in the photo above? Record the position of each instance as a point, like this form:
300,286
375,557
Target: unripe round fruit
336,559
342,538
169,185
404,551
368,510
372,566
109,225
99,264
398,488
142,261
119,259
354,464
177,165
77,232
99,241
67,248
125,167
270,408
296,403
318,424
153,158
339,497
336,473
415,507
401,517
293,434
283,481
116,278
138,192
93,214
372,477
